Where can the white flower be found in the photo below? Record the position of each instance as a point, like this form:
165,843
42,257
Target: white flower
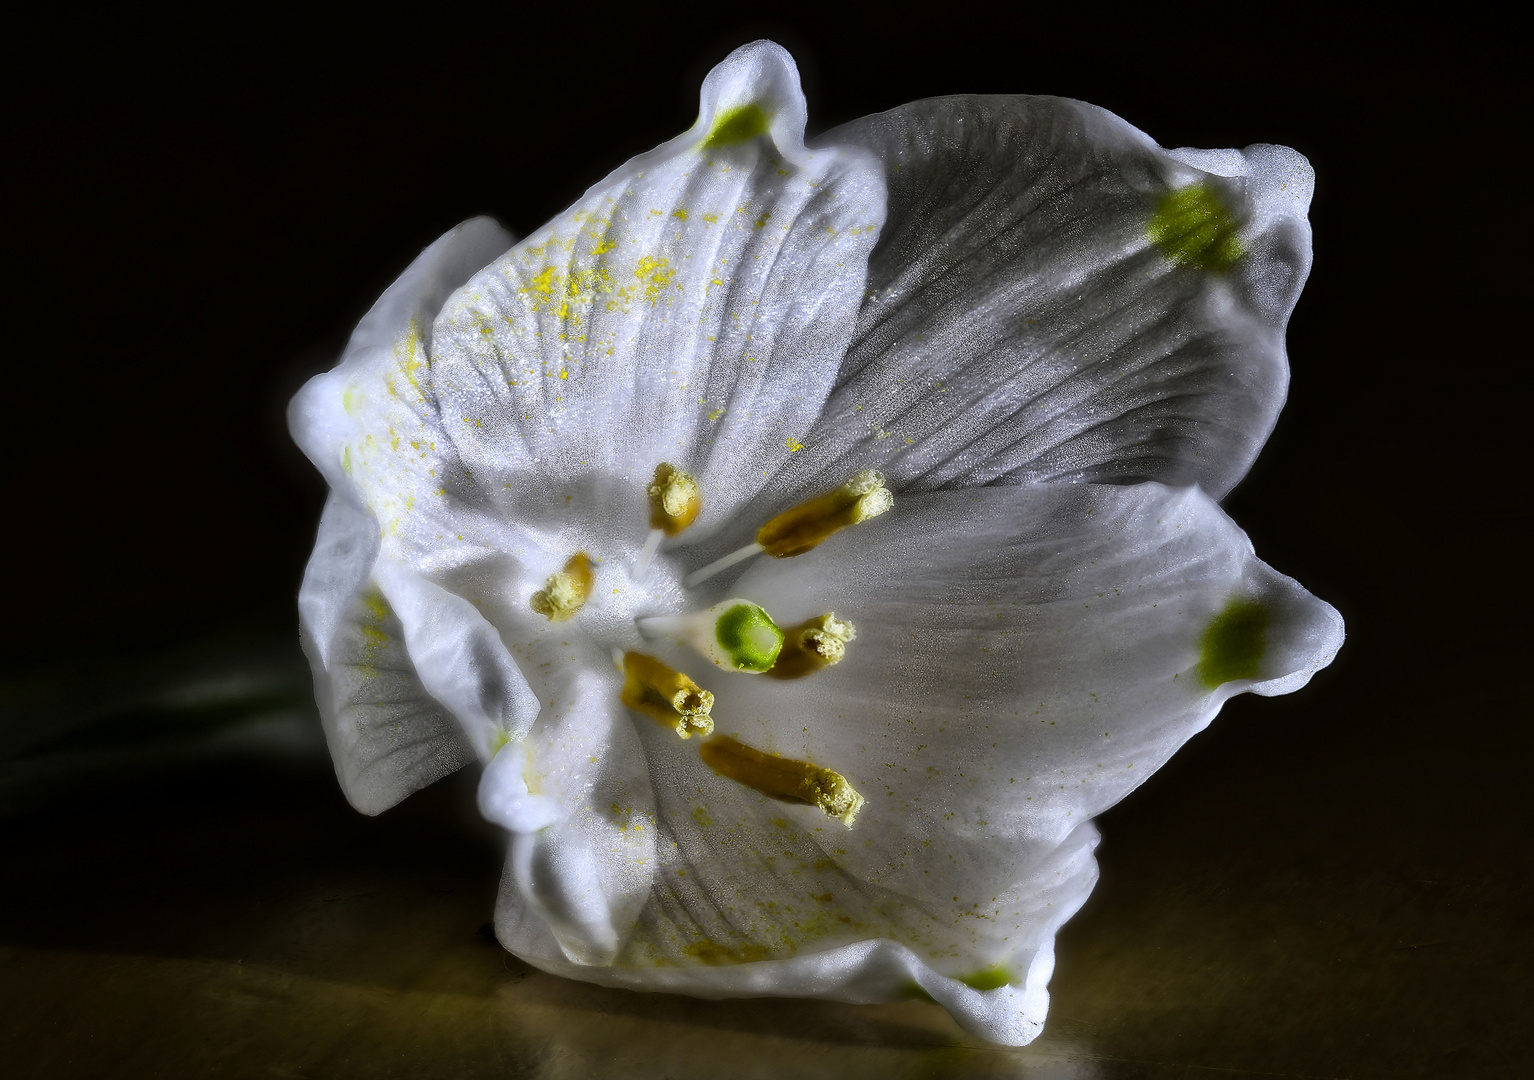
1056,348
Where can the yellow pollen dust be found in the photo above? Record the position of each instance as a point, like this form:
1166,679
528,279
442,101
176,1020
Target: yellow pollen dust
668,696
563,593
674,499
797,530
783,779
812,645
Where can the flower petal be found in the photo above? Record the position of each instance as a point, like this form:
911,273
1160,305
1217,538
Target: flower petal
338,412
575,795
690,308
866,971
459,658
1026,655
1056,297
1023,658
387,736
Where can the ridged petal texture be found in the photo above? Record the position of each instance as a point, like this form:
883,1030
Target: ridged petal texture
1024,658
697,301
388,735
1055,297
1063,346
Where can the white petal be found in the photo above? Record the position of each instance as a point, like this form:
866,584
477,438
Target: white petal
387,736
336,412
459,658
584,854
1024,657
386,733
507,801
1022,325
691,308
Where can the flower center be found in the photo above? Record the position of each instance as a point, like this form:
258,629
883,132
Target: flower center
736,635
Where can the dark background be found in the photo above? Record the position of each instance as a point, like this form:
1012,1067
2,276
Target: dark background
198,217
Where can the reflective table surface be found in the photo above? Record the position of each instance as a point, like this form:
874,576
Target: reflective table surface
188,894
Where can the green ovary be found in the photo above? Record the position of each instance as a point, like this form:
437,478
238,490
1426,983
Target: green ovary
750,637
737,125
1194,227
1232,644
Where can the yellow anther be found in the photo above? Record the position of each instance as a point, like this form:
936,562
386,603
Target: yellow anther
654,689
674,499
563,593
812,645
795,531
783,778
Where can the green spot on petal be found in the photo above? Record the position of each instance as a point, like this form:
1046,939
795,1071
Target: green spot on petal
1231,646
750,637
737,125
1194,227
987,978
913,990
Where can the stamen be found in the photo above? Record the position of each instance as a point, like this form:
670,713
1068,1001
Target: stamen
674,499
734,634
783,779
797,530
647,554
563,593
720,565
654,689
812,645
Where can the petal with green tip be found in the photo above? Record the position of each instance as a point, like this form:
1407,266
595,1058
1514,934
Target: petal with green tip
691,308
1055,297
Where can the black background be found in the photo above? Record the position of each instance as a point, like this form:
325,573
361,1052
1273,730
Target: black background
199,216
203,219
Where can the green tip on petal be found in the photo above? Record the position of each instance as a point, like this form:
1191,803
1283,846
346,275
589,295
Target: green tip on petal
750,637
1232,644
913,991
987,978
737,125
1194,227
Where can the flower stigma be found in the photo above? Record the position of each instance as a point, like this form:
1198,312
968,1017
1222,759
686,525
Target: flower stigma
734,634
